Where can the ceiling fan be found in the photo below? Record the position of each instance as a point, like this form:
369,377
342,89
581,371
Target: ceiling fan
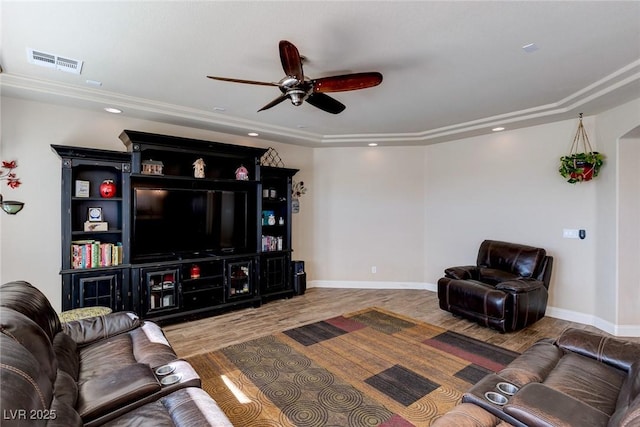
297,88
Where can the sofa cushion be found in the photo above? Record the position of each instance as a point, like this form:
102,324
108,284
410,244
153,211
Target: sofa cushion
493,276
616,352
105,356
28,300
588,381
538,405
101,395
91,329
521,260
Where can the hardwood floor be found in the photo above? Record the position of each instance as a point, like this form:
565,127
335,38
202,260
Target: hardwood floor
212,333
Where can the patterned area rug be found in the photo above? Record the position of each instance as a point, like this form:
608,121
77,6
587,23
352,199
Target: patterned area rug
368,368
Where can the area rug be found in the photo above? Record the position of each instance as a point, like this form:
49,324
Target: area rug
368,368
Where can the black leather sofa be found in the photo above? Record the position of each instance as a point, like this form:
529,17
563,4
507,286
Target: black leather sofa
95,371
581,379
506,290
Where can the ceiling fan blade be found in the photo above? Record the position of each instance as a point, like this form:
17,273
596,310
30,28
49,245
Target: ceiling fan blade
273,103
291,62
326,103
346,82
250,82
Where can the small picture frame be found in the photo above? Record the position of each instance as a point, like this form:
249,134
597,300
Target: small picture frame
82,188
94,214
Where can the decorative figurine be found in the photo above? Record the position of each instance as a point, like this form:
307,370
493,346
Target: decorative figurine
152,167
107,189
198,168
242,174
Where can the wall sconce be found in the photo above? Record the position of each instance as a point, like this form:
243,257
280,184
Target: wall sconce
11,207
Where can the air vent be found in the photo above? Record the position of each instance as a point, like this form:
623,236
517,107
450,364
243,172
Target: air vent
51,60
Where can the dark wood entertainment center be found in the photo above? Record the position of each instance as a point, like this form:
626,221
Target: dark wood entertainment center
166,244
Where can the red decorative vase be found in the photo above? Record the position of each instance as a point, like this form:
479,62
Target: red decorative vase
195,271
107,188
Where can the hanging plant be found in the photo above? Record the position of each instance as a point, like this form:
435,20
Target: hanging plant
581,166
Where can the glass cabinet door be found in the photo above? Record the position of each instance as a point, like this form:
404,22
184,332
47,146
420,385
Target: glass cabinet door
239,278
162,289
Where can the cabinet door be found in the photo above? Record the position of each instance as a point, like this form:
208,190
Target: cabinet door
274,274
240,279
161,289
103,288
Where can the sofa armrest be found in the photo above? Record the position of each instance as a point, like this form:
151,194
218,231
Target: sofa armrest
464,272
616,352
520,285
91,329
468,415
538,405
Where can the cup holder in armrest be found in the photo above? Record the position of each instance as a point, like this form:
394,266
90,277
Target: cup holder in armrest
496,398
507,388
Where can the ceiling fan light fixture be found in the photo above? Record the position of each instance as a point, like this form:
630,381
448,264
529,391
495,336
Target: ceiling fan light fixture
297,96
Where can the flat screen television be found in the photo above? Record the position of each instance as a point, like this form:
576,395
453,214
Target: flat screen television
188,222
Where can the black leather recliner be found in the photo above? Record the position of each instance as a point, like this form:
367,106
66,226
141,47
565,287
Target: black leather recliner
505,290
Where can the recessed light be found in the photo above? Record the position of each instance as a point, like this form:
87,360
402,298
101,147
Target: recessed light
498,129
112,110
253,134
530,48
94,83
372,144
219,109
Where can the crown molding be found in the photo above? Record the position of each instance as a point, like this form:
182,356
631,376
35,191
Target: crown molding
597,93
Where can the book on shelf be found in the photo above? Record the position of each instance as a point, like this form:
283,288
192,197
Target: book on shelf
271,243
94,254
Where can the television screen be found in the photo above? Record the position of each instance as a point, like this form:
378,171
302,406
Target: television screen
183,221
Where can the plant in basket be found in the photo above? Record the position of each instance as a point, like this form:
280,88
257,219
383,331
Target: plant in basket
581,166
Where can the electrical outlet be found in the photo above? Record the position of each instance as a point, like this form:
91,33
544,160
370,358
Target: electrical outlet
374,269
570,233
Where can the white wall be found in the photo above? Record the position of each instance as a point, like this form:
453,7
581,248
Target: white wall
501,186
610,127
629,232
369,210
506,187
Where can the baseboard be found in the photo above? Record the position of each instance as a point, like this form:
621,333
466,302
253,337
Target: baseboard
586,319
347,284
556,313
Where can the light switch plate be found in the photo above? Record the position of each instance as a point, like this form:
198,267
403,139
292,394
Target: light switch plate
570,233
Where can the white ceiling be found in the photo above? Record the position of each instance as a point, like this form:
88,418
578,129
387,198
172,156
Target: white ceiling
451,69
